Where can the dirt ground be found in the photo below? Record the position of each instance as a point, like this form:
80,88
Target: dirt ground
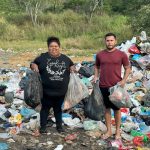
29,142
16,60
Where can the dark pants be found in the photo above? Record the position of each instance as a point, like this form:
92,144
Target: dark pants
48,102
108,104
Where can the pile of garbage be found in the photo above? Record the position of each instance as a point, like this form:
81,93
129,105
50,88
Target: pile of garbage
17,117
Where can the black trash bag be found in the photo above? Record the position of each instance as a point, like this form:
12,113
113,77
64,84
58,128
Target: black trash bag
9,97
94,107
2,90
32,86
86,71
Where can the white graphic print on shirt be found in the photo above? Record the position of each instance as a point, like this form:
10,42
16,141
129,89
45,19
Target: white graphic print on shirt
56,69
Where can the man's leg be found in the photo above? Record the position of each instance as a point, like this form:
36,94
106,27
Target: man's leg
108,123
106,94
118,123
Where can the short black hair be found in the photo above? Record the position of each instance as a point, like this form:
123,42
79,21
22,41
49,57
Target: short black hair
53,39
110,34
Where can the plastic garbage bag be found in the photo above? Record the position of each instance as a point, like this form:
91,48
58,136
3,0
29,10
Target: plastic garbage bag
144,61
145,47
2,90
119,97
102,126
76,92
4,135
126,136
117,144
19,94
4,146
59,147
146,99
87,82
134,50
94,107
9,96
146,84
135,133
32,86
87,71
2,111
128,126
136,56
90,125
26,112
13,83
143,36
144,128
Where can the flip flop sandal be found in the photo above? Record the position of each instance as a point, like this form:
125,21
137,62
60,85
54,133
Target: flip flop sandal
106,136
117,137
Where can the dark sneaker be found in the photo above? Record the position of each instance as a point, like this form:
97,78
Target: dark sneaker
43,130
60,129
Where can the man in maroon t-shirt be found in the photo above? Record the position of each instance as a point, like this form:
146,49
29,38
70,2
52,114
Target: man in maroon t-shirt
109,63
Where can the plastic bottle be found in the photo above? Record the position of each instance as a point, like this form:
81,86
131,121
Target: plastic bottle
144,128
135,102
123,118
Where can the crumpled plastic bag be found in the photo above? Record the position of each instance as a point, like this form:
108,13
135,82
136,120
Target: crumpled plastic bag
76,92
120,97
27,112
146,84
146,99
2,90
135,75
4,146
134,50
144,61
94,107
90,125
128,126
145,47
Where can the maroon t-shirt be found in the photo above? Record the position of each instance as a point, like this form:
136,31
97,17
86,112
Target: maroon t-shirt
110,64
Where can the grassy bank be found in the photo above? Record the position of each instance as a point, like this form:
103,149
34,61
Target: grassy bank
18,33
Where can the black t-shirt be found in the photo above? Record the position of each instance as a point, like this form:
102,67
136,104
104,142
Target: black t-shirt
55,73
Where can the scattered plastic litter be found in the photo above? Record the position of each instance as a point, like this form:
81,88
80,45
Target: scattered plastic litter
17,117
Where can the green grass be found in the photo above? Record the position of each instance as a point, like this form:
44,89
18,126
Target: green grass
20,46
17,32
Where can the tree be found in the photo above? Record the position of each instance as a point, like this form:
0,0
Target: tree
33,8
95,4
89,7
141,21
56,5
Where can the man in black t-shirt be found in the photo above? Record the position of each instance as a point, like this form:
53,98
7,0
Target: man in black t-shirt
54,69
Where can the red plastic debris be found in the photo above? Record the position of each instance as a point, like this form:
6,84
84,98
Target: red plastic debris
134,50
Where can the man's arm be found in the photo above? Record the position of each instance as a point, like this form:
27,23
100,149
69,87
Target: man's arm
126,74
